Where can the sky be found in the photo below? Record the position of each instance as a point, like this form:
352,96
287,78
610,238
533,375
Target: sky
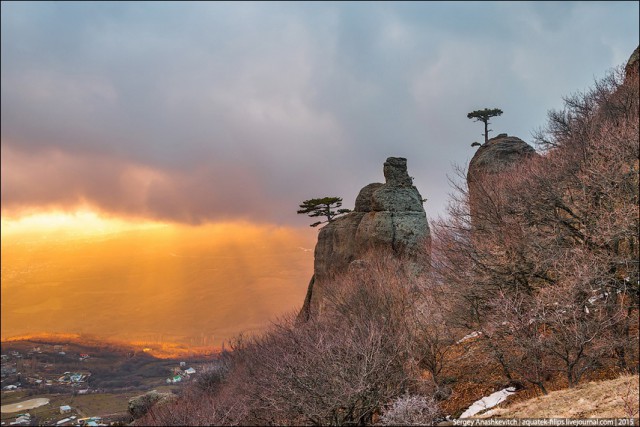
154,154
204,112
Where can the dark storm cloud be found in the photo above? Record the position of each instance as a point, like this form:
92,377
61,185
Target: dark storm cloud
204,111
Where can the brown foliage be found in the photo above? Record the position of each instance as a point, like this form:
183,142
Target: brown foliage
547,265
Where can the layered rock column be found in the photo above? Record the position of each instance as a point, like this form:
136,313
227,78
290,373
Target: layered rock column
387,216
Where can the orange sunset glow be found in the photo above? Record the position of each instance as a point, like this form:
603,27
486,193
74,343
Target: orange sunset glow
151,284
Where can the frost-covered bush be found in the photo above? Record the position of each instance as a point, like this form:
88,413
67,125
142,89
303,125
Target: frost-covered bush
411,410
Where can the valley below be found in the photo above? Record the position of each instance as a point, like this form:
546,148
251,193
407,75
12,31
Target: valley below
95,381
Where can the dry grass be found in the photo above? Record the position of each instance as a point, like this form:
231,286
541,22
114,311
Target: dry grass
616,398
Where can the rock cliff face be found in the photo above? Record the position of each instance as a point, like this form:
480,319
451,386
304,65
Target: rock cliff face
389,216
139,406
632,69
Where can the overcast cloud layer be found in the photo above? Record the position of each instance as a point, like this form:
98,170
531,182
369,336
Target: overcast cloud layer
208,111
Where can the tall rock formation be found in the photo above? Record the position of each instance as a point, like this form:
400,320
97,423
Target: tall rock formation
497,155
388,216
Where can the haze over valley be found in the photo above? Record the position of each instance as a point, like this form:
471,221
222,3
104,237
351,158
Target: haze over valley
192,285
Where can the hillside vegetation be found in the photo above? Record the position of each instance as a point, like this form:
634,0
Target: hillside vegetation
533,283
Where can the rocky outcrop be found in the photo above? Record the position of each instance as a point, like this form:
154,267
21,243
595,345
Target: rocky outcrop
499,154
632,68
140,405
387,216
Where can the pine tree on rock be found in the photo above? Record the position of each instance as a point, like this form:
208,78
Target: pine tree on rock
484,116
325,207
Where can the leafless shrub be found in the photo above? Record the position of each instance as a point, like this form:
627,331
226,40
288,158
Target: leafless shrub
629,395
344,365
194,408
514,328
434,336
411,410
211,377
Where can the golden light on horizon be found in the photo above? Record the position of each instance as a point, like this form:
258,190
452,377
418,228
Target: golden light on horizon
81,221
146,281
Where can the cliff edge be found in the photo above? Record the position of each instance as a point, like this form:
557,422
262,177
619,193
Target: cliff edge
387,216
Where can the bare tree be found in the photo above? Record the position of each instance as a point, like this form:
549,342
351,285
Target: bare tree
434,338
515,328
